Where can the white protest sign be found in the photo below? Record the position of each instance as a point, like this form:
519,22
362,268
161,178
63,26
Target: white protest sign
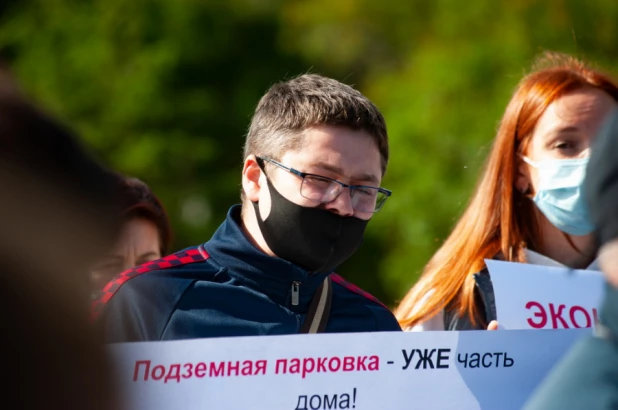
545,297
363,371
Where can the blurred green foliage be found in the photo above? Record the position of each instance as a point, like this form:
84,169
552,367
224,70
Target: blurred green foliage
164,90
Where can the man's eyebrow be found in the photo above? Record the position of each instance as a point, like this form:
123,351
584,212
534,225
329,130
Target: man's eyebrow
360,177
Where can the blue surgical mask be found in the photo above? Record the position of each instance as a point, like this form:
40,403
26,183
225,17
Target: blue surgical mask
559,195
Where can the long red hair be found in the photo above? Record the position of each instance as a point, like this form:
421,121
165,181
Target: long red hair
498,218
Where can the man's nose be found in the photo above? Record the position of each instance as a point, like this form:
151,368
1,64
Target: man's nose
342,204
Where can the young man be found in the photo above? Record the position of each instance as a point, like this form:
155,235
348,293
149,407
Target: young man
314,158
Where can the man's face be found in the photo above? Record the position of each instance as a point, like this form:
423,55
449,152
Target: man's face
340,153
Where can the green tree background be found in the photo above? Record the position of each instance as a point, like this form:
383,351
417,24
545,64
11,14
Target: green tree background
164,90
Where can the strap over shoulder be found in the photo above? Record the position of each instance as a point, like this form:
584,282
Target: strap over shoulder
319,309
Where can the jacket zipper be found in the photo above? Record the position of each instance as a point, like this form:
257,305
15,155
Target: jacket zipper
295,293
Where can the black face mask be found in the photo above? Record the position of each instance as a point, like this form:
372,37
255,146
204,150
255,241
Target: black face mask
313,238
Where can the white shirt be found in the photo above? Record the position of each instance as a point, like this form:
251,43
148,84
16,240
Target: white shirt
436,322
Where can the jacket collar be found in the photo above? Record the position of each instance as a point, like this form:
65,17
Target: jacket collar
250,267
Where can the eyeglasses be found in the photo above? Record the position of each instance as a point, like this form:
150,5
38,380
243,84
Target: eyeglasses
321,189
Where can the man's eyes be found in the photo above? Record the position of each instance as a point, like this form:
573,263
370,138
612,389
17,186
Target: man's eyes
318,180
367,191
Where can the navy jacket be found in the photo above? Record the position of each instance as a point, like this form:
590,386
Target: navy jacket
226,287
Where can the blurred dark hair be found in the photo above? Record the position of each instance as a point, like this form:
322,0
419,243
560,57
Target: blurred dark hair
39,146
138,201
58,212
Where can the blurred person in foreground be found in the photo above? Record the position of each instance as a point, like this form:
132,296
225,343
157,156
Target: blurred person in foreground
57,215
144,236
314,158
587,377
528,206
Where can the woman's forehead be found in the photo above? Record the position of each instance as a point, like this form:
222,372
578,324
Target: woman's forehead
581,110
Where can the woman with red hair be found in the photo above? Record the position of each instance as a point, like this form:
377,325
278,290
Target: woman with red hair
144,236
528,205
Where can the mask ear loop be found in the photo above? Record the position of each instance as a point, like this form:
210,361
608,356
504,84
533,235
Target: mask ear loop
529,161
525,191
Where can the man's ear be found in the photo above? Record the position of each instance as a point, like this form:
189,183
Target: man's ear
251,174
522,176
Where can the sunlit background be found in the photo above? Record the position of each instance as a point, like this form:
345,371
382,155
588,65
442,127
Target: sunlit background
164,90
